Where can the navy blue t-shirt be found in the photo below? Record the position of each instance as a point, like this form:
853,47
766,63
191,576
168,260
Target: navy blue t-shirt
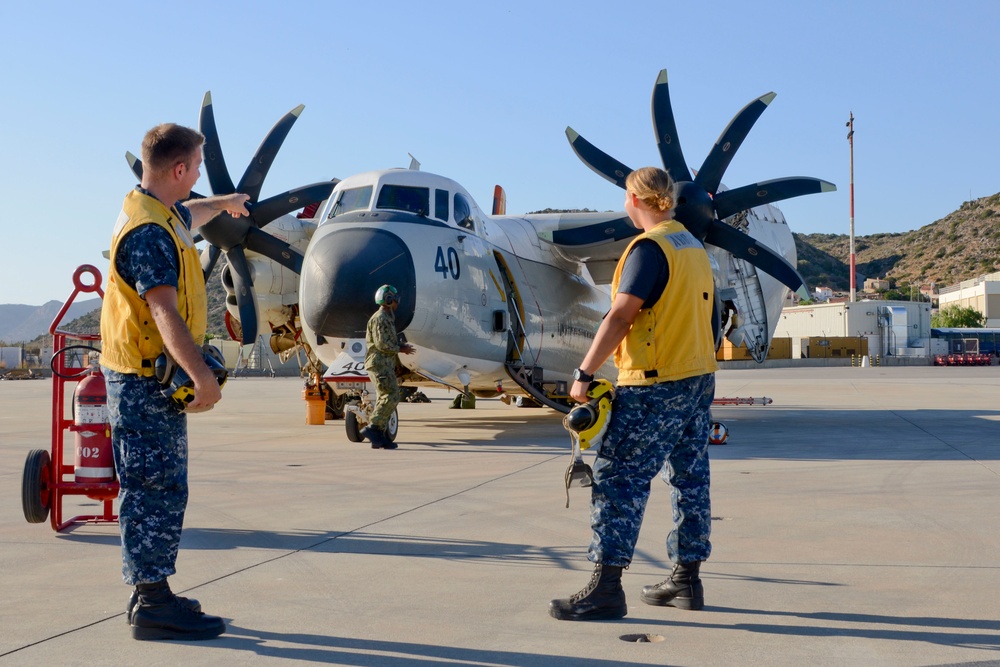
645,272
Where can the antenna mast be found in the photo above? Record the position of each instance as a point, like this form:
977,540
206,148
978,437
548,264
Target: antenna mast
850,139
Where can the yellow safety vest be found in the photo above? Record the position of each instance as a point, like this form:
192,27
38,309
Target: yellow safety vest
672,340
130,341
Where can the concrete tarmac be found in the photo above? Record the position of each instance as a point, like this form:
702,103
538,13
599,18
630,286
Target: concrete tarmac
855,523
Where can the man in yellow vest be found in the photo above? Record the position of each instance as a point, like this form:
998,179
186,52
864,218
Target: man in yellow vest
660,331
155,301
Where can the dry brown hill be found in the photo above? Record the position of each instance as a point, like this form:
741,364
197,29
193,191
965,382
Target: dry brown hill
962,245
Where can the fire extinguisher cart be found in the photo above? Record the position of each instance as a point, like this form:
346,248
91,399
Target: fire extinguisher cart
48,478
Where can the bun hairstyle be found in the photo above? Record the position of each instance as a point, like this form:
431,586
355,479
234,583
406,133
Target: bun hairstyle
653,187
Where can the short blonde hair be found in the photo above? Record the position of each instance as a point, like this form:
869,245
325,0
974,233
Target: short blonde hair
167,145
653,186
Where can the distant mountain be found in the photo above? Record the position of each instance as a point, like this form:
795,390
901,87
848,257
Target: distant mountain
962,245
21,323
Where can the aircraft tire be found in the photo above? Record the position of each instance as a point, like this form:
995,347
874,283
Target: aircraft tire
392,428
35,496
352,427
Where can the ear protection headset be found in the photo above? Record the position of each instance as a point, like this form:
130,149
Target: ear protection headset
589,421
175,382
386,295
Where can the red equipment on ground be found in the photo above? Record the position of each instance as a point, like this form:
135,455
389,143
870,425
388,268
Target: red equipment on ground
48,479
94,461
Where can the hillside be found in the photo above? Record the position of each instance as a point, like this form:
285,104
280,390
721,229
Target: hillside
19,322
962,245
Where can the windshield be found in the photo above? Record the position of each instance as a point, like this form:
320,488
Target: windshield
404,198
352,200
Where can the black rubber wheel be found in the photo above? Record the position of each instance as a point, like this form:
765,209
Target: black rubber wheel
334,403
35,486
352,427
392,428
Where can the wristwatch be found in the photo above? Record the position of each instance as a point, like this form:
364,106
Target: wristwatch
580,376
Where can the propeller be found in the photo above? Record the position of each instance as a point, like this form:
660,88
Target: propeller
701,208
231,236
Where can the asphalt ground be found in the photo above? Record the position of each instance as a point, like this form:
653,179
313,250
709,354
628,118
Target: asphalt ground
855,523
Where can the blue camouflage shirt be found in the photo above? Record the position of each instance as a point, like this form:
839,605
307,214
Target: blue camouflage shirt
147,257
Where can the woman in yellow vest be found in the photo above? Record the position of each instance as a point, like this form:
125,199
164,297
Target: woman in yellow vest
660,331
155,301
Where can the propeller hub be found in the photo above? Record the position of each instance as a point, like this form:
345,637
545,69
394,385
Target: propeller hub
694,209
226,232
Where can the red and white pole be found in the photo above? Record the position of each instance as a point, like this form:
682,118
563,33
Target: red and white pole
850,139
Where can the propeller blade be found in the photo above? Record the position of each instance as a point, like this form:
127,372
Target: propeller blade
215,164
135,164
714,166
767,192
602,163
273,208
747,248
253,177
209,256
665,130
246,300
274,248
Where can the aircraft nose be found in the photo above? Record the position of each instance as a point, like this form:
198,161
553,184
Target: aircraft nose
342,271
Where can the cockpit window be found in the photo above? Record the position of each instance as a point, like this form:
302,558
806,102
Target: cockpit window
463,212
441,205
352,200
404,198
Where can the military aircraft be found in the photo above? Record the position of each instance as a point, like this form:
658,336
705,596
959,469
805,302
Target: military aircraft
494,304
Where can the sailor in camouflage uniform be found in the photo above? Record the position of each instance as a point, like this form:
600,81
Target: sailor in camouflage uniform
155,301
660,329
381,358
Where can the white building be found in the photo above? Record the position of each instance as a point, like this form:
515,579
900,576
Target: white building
982,293
893,328
822,293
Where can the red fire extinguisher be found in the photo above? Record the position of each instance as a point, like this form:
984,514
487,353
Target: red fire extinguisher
94,461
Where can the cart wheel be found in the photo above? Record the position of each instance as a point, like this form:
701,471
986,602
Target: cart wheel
352,427
392,428
35,486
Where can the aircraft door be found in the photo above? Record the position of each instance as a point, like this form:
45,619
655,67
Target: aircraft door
517,341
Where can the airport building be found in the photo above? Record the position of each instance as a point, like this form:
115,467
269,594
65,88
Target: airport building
982,294
884,328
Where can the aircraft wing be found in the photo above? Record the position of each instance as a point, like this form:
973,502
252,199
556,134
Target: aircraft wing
594,239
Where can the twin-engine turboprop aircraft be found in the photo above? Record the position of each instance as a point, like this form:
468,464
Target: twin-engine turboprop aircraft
492,303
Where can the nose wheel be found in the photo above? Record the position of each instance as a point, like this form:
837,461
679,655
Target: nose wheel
358,414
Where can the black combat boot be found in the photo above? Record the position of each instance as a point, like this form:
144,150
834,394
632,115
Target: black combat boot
682,590
601,599
159,614
377,437
134,598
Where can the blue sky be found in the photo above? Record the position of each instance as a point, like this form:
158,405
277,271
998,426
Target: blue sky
482,93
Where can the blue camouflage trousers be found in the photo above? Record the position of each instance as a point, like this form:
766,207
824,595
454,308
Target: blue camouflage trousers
149,435
657,428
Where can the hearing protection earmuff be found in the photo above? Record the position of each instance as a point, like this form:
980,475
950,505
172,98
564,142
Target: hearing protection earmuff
587,424
590,420
176,384
386,295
